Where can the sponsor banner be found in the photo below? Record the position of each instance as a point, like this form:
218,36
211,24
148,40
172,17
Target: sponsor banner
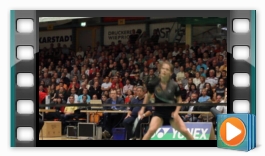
55,37
167,31
199,130
120,32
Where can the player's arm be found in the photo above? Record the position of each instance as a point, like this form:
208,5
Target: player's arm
179,101
146,100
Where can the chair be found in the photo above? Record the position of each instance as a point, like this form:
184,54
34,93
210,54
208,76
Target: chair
143,125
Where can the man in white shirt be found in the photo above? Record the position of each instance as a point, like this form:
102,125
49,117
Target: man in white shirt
188,51
127,87
212,79
222,109
106,85
74,95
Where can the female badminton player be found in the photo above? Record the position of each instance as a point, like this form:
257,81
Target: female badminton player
165,91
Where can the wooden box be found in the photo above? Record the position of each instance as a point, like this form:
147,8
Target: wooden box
51,129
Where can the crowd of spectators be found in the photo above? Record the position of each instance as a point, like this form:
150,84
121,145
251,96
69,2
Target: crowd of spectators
70,76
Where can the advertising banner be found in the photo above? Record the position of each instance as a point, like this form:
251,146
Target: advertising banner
199,130
55,37
120,32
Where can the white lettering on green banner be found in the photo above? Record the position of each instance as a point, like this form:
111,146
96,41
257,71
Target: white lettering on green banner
199,130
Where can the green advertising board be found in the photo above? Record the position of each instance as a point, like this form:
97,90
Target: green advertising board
199,130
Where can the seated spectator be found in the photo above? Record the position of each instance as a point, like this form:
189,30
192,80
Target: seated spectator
104,99
202,72
80,97
44,87
208,87
183,91
204,97
68,113
137,81
82,87
127,87
220,89
128,122
189,117
197,79
212,79
106,85
112,119
73,93
223,109
193,90
201,64
95,90
126,77
128,96
180,74
59,110
61,84
144,75
187,86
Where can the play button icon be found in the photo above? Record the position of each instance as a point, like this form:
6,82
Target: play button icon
232,131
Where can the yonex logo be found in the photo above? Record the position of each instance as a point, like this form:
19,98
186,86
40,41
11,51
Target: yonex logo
161,132
167,133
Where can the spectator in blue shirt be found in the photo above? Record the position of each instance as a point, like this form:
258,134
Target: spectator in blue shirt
200,64
132,115
84,94
204,97
202,72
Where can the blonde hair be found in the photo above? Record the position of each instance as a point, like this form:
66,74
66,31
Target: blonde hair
169,64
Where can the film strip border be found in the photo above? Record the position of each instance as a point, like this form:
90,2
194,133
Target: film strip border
25,67
246,66
31,39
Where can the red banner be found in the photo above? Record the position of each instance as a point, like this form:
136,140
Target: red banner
115,19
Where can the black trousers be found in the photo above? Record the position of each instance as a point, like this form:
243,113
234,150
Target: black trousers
41,123
52,116
112,121
128,123
64,118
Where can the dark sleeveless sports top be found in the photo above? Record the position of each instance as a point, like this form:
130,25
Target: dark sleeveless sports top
165,96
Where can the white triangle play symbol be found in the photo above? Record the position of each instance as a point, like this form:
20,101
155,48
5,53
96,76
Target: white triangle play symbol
231,131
